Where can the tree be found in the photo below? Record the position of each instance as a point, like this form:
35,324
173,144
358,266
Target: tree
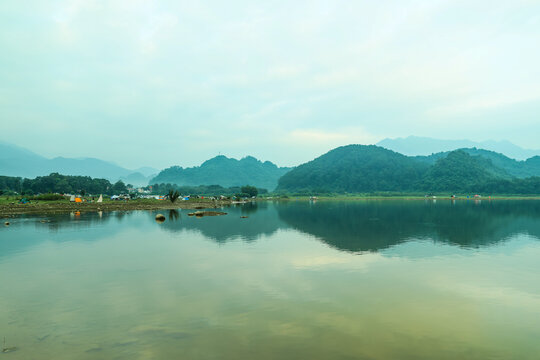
173,195
119,187
249,190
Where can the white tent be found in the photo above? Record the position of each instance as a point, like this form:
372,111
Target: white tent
100,198
72,198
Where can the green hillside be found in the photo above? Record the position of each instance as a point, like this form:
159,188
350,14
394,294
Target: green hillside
355,168
226,172
515,168
459,171
368,169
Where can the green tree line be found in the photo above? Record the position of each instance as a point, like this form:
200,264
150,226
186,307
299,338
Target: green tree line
63,184
206,190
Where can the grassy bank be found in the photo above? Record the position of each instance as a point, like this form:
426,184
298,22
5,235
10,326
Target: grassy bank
9,205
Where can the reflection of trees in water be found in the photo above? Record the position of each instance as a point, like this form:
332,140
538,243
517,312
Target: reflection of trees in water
173,215
62,227
374,225
262,220
350,226
252,207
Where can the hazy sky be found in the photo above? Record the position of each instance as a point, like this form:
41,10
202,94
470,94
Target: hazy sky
176,82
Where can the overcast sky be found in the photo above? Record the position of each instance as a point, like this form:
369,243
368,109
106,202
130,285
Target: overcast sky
160,83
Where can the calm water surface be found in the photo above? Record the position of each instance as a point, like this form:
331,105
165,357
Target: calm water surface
296,280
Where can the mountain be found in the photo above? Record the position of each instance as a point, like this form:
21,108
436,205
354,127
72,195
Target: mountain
355,168
459,171
368,169
415,145
515,168
226,172
17,161
83,166
146,171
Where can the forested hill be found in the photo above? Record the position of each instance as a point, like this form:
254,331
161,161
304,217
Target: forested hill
368,169
516,168
356,168
226,172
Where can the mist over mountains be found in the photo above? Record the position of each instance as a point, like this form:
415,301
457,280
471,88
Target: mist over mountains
351,168
20,162
415,145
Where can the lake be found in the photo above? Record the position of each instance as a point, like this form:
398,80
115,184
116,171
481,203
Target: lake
294,280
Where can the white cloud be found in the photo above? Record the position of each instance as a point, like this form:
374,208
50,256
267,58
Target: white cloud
306,75
484,103
332,137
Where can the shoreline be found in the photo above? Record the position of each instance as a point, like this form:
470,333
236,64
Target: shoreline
43,207
405,197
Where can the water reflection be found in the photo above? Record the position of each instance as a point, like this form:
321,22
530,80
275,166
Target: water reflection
263,220
376,225
27,231
118,285
174,215
358,226
353,226
252,207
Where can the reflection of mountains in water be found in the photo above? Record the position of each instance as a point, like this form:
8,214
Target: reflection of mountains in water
353,226
262,219
374,225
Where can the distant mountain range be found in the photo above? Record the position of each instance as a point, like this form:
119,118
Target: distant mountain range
370,168
17,161
226,172
346,169
414,145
